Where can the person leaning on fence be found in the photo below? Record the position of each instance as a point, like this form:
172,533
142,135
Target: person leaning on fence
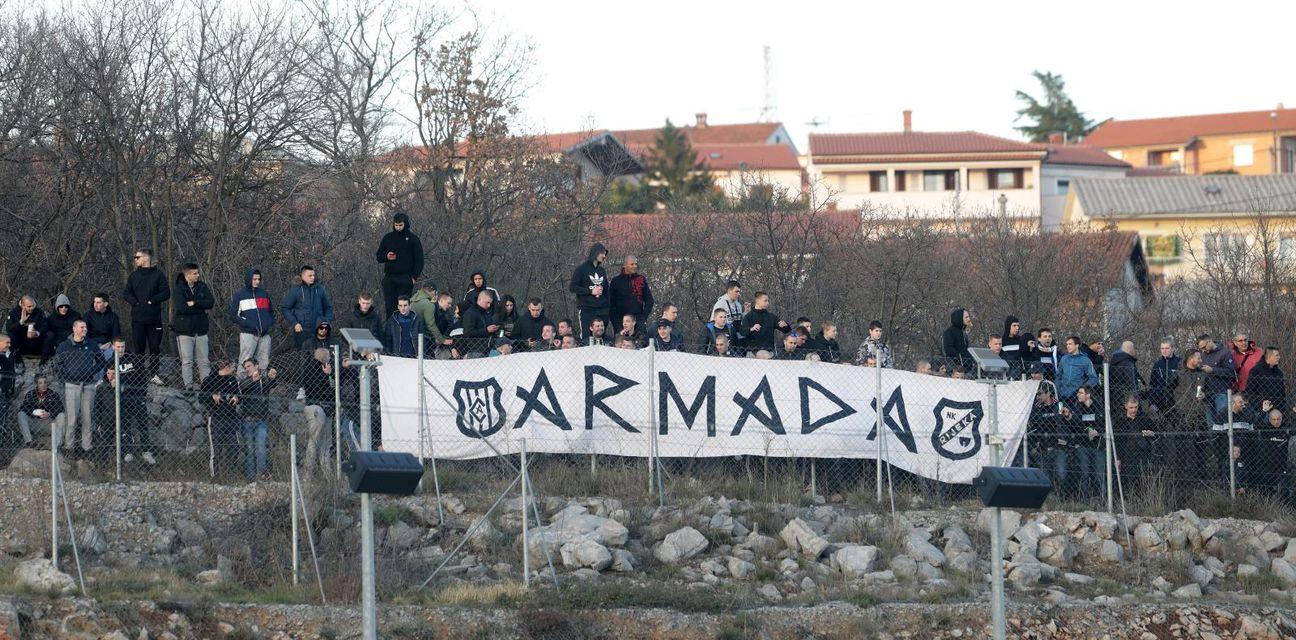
632,329
1242,417
825,344
1087,463
1047,439
320,404
598,334
662,339
220,399
548,340
251,310
254,412
41,407
479,327
723,347
1262,458
875,346
132,378
191,324
791,349
79,363
718,326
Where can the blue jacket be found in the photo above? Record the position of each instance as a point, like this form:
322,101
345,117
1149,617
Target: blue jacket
308,305
251,308
79,362
1074,371
402,340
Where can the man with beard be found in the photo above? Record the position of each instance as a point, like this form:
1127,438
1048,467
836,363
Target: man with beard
400,252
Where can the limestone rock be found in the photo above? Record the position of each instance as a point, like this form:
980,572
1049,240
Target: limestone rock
1200,575
799,536
741,569
1188,592
854,561
1147,539
622,561
904,566
680,545
923,551
1284,570
1058,551
770,592
586,554
40,575
1011,520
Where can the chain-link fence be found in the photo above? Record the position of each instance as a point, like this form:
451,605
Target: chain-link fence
620,432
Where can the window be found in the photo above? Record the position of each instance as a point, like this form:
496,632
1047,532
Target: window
1161,158
1162,249
877,181
940,181
1117,153
1005,178
1287,248
1222,247
900,181
1063,186
1243,155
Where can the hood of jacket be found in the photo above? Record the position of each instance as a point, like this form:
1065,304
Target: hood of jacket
62,301
956,318
1120,357
402,217
247,277
594,250
480,272
1008,322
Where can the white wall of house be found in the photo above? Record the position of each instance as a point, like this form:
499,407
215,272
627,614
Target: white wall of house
1056,181
849,186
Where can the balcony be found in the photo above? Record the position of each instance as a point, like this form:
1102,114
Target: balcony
943,204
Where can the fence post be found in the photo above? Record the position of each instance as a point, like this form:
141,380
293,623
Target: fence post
337,412
54,479
1232,463
1025,441
117,411
1109,451
292,507
526,552
877,404
423,439
422,424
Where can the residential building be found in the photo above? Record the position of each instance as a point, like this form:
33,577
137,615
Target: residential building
1186,221
1065,163
1246,142
939,175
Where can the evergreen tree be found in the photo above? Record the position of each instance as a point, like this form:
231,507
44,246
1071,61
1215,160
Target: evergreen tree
672,170
1055,114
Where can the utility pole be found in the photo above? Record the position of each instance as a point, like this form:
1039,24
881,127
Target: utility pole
767,104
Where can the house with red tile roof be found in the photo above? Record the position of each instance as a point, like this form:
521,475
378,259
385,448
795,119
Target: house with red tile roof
950,175
1243,142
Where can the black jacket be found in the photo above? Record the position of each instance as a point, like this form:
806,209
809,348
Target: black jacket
470,296
226,387
7,374
954,342
187,320
51,402
132,374
587,276
1162,381
1267,383
79,362
528,328
60,329
103,327
17,330
630,294
1125,378
764,338
1083,419
408,262
146,290
254,398
318,386
1015,350
373,321
828,350
476,339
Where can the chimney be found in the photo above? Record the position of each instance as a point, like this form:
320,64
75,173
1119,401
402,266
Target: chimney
1056,138
908,120
701,119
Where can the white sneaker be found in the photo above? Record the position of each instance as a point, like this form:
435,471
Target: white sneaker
148,457
130,457
301,393
157,381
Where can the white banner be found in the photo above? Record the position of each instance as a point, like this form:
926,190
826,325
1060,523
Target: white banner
608,401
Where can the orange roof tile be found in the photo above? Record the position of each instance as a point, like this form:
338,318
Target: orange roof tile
1181,129
738,157
1082,155
746,133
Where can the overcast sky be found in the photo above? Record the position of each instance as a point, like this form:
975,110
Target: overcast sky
856,65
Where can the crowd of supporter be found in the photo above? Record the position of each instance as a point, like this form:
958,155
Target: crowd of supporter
54,365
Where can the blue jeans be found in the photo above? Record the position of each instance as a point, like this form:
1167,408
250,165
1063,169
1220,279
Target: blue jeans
1091,470
1055,463
254,448
1218,409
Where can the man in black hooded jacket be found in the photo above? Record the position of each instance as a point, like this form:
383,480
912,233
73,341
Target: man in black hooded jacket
589,283
400,252
954,342
476,285
1017,344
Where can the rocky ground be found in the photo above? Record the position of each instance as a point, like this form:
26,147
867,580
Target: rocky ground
194,560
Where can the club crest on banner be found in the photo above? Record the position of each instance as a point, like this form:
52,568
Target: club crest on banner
481,412
957,435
